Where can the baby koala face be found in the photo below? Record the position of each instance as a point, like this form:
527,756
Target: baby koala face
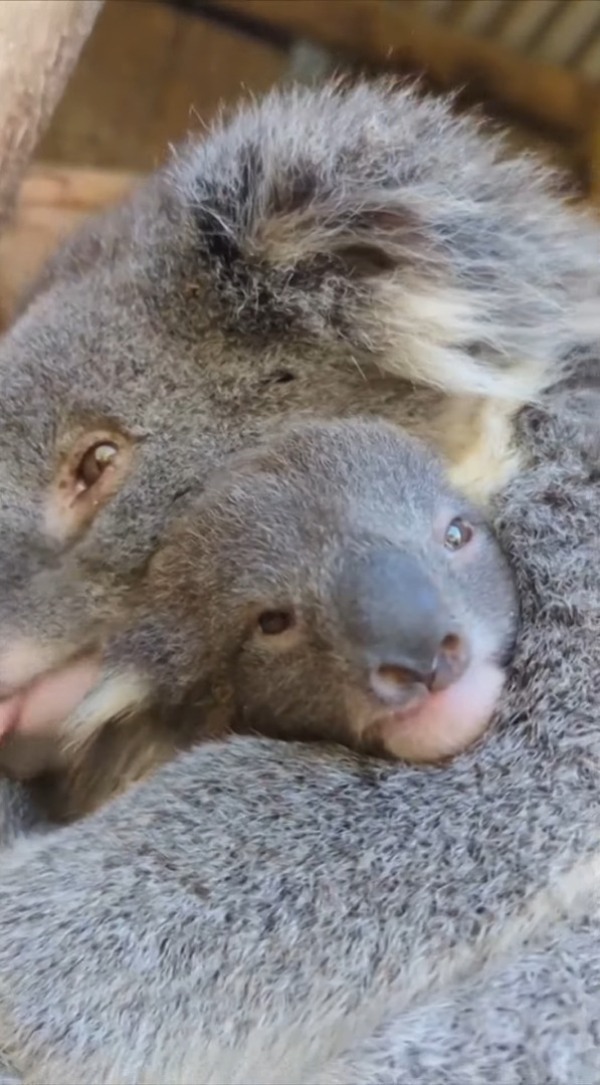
330,585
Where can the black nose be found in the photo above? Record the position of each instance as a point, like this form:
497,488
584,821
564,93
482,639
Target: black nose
398,624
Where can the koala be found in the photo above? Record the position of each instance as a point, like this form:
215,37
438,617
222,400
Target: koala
326,253
255,907
336,557
328,584
333,585
295,912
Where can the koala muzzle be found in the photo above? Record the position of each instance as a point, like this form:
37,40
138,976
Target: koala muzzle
398,626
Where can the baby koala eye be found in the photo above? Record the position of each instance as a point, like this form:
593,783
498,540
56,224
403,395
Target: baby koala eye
93,464
274,622
458,533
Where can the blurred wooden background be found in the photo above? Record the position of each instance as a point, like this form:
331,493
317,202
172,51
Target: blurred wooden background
149,71
154,68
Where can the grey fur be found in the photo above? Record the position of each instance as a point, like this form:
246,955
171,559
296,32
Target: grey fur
256,909
20,816
533,1020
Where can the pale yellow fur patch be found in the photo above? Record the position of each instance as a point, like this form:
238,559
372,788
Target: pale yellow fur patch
477,440
117,697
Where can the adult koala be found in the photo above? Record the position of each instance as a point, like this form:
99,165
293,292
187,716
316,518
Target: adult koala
328,253
256,910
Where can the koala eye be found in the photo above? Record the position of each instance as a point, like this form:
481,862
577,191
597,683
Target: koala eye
274,622
88,474
458,533
94,462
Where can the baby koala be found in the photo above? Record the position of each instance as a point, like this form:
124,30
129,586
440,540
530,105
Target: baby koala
329,584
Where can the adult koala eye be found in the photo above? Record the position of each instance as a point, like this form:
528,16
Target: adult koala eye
94,462
89,473
458,533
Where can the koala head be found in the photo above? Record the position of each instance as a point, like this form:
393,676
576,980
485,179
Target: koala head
324,254
330,584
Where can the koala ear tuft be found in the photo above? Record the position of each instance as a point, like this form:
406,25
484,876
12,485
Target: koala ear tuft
377,219
358,242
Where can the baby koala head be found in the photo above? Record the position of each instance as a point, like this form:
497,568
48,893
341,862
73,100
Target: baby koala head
330,584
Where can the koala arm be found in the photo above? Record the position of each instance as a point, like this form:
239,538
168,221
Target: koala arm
535,1019
18,819
230,921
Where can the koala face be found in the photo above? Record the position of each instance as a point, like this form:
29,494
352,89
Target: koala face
331,584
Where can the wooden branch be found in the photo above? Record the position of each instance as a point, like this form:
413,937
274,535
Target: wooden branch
40,42
387,36
51,203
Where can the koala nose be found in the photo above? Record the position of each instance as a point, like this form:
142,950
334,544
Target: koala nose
401,684
396,620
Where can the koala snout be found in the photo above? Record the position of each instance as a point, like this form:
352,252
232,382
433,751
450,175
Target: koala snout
398,626
405,683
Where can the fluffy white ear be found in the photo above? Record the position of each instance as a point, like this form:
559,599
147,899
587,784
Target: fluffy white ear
379,219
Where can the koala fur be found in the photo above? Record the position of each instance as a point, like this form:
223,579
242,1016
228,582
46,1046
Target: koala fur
325,253
256,910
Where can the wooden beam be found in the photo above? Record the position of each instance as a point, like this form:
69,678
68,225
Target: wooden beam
40,43
387,36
